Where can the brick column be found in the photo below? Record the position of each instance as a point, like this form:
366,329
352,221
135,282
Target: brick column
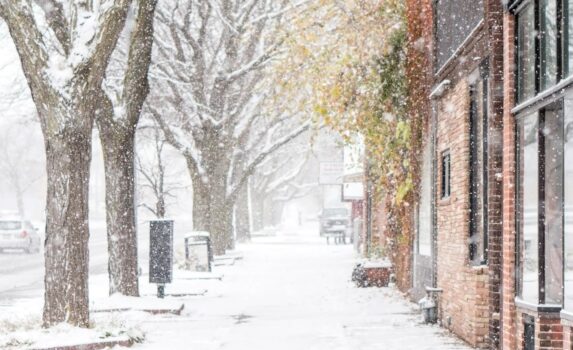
494,17
568,336
508,319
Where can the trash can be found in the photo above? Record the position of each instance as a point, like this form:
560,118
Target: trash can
429,305
198,252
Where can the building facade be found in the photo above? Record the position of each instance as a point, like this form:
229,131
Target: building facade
457,247
538,175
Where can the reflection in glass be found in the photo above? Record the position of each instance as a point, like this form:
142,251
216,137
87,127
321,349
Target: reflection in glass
526,53
548,43
568,192
478,179
528,134
553,140
567,40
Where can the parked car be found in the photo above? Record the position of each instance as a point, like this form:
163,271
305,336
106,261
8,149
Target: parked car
334,221
18,233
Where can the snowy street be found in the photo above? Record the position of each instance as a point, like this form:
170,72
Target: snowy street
294,292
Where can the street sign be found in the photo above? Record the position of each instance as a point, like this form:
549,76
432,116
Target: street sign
352,191
331,173
160,253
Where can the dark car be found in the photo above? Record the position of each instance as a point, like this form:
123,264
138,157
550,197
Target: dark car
334,221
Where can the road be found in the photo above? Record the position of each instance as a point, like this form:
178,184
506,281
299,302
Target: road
22,275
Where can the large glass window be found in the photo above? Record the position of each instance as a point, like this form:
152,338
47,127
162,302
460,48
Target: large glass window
553,204
568,202
528,146
540,205
567,40
526,53
548,24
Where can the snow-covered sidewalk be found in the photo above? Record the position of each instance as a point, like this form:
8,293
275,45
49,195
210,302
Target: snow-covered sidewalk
294,292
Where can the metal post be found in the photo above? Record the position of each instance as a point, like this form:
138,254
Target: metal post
186,248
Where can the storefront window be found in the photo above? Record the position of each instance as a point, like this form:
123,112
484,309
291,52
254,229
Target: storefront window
528,138
540,205
568,203
526,53
548,19
567,41
553,204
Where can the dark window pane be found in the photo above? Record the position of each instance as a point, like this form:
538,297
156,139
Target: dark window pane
529,333
548,10
567,40
478,166
445,175
568,191
526,53
553,135
455,21
528,195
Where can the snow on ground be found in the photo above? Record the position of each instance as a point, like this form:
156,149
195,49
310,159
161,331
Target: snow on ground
294,292
290,291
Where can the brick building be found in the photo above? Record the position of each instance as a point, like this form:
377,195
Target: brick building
537,176
457,247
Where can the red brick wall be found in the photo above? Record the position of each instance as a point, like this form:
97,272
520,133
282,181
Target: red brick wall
464,304
567,337
549,333
510,325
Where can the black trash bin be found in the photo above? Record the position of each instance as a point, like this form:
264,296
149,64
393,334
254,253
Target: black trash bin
160,254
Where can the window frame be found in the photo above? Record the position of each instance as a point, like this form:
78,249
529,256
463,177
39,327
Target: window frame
475,199
518,7
445,183
540,112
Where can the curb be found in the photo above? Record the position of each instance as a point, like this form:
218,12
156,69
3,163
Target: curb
93,346
151,311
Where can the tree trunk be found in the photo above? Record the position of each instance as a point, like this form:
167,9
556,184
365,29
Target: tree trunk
258,211
201,203
66,109
211,212
277,208
118,151
242,219
68,159
160,208
19,198
221,216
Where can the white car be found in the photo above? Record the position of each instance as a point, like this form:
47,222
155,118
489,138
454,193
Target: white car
17,233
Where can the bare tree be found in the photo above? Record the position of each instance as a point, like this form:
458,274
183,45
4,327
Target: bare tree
209,68
64,48
125,90
155,174
18,167
279,179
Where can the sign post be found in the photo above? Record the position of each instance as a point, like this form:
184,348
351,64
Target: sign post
331,173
